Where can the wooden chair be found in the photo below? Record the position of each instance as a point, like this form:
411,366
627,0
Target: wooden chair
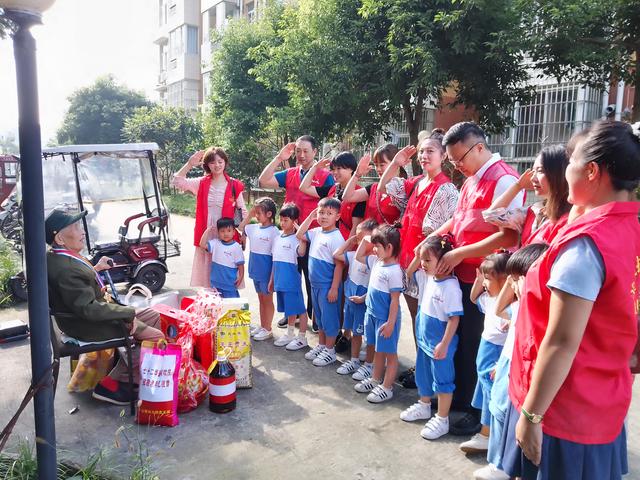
71,350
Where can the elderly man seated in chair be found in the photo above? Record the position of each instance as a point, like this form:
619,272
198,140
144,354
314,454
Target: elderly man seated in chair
77,295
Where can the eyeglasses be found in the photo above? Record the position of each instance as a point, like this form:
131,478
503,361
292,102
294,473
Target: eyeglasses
458,162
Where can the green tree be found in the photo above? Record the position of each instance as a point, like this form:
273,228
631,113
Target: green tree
96,113
8,144
592,41
177,134
240,111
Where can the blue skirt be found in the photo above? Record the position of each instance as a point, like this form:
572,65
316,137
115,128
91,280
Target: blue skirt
562,459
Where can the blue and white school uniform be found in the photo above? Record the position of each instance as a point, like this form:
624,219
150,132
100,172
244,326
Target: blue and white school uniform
287,281
355,285
384,280
260,256
500,402
439,300
321,267
225,259
491,343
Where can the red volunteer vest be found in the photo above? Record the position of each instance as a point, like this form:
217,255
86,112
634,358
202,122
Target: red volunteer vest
468,224
202,203
380,207
544,234
345,224
592,403
305,203
417,207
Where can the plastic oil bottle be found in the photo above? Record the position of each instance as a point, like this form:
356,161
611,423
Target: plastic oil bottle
222,385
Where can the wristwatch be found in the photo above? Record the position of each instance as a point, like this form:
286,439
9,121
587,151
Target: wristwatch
534,418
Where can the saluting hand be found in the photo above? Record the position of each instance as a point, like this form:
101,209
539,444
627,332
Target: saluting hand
364,165
286,152
403,157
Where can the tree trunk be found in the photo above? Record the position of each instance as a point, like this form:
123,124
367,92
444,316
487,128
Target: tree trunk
635,114
414,119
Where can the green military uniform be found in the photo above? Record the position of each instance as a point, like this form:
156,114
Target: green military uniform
73,289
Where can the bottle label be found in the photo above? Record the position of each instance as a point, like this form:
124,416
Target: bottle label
222,390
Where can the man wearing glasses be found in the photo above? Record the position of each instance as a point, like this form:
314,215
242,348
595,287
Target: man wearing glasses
488,177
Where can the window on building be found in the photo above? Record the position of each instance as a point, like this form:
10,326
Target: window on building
192,40
175,42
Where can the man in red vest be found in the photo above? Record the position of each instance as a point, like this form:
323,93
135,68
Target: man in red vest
306,150
488,177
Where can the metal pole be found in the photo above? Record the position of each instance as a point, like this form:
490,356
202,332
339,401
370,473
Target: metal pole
24,47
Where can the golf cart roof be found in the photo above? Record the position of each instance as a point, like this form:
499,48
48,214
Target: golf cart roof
105,147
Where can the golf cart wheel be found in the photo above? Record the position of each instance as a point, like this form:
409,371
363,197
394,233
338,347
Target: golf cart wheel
18,287
151,276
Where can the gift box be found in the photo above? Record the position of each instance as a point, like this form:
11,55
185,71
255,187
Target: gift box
171,320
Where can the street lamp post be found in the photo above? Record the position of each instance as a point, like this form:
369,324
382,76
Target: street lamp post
25,14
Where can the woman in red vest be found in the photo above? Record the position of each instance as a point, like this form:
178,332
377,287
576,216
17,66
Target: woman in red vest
570,382
540,222
342,167
382,207
217,195
431,202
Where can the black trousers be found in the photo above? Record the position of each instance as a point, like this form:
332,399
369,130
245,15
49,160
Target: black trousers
303,267
469,333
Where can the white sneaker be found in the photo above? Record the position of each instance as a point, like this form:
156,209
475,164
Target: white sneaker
477,444
490,472
435,428
314,352
253,329
417,411
380,394
263,334
363,372
349,367
366,385
283,340
324,358
297,343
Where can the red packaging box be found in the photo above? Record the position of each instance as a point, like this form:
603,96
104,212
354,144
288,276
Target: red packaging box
169,322
203,350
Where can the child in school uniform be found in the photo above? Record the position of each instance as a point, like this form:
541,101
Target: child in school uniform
261,236
325,276
490,279
286,280
439,311
227,259
507,306
355,293
382,319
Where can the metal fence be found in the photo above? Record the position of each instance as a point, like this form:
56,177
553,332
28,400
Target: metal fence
556,112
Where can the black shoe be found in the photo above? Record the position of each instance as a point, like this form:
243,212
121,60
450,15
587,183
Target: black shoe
119,397
466,425
282,323
343,344
406,373
409,381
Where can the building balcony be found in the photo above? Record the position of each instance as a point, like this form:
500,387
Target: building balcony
161,85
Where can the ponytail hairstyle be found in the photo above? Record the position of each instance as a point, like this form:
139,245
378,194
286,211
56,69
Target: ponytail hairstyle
438,245
496,263
388,235
554,160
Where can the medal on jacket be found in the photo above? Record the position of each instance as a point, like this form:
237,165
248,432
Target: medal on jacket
79,258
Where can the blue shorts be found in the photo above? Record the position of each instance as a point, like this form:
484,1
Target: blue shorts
327,313
486,360
354,317
434,376
291,303
261,286
227,292
372,326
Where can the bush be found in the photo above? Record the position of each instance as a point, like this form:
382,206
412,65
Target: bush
181,204
9,265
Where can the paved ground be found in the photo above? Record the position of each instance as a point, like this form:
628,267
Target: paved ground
297,421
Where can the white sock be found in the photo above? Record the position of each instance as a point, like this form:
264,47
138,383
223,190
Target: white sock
331,350
290,330
444,419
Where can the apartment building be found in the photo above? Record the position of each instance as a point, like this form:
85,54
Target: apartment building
185,46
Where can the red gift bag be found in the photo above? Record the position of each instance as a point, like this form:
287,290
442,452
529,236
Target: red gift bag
158,391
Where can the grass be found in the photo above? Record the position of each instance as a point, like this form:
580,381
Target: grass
9,266
181,203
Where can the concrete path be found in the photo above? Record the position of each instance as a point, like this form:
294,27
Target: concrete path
298,421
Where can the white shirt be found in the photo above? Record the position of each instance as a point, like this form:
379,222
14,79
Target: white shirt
503,183
494,330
